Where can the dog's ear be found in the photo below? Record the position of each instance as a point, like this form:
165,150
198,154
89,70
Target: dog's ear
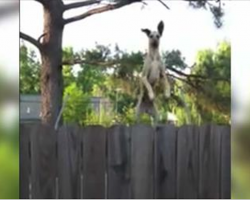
147,31
160,27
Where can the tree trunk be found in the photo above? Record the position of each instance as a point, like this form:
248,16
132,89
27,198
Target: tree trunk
51,53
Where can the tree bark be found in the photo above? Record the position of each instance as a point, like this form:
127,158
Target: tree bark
51,54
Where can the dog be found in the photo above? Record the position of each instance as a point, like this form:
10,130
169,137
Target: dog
153,75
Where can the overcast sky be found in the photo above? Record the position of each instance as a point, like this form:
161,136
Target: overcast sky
185,29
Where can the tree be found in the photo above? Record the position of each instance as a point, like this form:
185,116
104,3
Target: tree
77,105
91,74
50,47
203,95
208,87
214,8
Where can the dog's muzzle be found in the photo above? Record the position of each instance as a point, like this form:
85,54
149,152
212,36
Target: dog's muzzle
155,43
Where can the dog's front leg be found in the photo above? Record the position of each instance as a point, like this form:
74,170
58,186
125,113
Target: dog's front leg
144,79
165,84
148,87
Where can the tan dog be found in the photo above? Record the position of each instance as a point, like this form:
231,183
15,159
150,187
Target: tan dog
153,75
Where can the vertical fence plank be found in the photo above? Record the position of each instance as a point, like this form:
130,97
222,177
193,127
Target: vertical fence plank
69,146
187,162
166,162
94,161
43,162
142,161
210,146
24,160
225,163
118,162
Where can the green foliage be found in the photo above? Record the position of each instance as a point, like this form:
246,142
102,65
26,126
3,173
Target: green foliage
29,71
104,118
214,94
203,96
208,98
88,77
174,59
77,105
68,70
90,74
128,117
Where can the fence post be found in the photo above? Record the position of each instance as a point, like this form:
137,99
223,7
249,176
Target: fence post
188,162
69,152
165,170
142,161
209,161
94,162
43,162
118,166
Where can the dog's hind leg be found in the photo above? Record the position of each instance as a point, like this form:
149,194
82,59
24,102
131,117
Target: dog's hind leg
138,111
165,83
148,87
155,114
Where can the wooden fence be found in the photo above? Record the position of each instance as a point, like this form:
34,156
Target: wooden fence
125,162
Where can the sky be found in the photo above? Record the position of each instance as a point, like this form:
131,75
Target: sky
186,29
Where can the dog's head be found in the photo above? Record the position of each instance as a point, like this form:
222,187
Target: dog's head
154,36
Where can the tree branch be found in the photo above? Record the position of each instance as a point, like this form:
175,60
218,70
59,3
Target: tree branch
102,9
79,61
31,40
180,73
80,4
196,76
183,80
164,4
40,38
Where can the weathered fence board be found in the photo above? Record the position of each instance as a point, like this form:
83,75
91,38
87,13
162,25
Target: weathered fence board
165,187
118,162
94,162
125,162
24,161
225,163
209,160
142,162
43,162
187,162
69,163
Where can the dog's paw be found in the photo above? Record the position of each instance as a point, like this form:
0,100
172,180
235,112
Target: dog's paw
151,96
167,94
